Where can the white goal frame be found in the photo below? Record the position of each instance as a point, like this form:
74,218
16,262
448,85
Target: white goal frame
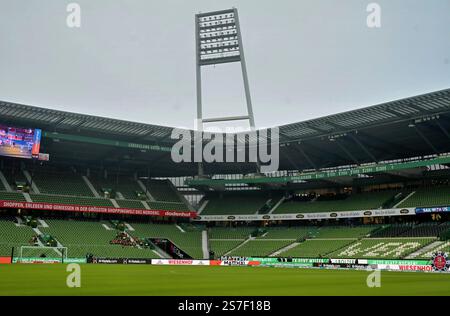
60,252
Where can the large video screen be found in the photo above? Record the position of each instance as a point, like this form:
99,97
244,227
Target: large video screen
20,142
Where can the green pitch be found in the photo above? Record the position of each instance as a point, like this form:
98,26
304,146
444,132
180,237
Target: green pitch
186,280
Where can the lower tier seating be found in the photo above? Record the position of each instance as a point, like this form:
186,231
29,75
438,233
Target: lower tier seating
13,236
316,248
260,248
383,248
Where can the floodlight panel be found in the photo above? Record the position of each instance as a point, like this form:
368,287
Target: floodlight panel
217,38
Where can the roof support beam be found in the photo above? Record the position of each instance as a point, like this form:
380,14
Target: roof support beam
364,148
308,159
336,155
349,154
442,128
426,140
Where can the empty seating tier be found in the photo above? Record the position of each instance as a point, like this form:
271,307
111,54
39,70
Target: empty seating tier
162,190
188,241
383,248
361,201
13,236
63,184
429,197
71,200
125,186
221,247
91,237
235,203
260,248
12,196
168,206
130,204
316,248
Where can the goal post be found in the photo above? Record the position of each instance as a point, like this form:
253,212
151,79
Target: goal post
42,254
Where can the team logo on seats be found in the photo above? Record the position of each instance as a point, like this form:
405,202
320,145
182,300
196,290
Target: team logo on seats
440,261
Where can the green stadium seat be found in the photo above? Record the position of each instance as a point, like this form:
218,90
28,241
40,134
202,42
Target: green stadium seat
361,201
71,200
429,197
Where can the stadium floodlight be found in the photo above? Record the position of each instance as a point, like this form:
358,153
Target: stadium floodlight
219,41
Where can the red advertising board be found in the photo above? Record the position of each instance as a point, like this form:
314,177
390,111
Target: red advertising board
92,209
5,260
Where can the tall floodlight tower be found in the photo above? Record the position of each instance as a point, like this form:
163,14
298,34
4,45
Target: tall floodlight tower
219,41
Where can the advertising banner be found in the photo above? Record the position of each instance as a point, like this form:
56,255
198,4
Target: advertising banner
5,260
181,262
47,260
396,267
308,216
121,261
289,260
92,209
421,210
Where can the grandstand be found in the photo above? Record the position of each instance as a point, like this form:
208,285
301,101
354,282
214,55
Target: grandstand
362,184
12,235
382,248
235,203
359,201
428,197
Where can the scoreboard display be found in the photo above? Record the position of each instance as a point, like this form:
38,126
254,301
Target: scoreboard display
20,142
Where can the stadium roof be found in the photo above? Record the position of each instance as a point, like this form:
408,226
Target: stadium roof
412,127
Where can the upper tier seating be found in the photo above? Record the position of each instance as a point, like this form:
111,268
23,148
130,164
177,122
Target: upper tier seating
168,206
131,204
360,201
126,186
162,190
12,196
428,197
71,200
235,203
66,183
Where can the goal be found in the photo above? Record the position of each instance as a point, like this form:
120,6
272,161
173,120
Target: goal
38,254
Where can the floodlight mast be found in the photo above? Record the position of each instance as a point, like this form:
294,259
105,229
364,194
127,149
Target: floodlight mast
219,41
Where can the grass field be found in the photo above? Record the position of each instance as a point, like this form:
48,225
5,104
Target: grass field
202,281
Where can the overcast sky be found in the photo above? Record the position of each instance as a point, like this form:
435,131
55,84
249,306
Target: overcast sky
135,59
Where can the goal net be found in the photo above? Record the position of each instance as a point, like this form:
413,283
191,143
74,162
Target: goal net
30,254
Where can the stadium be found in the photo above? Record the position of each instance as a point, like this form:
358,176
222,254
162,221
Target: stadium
354,192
